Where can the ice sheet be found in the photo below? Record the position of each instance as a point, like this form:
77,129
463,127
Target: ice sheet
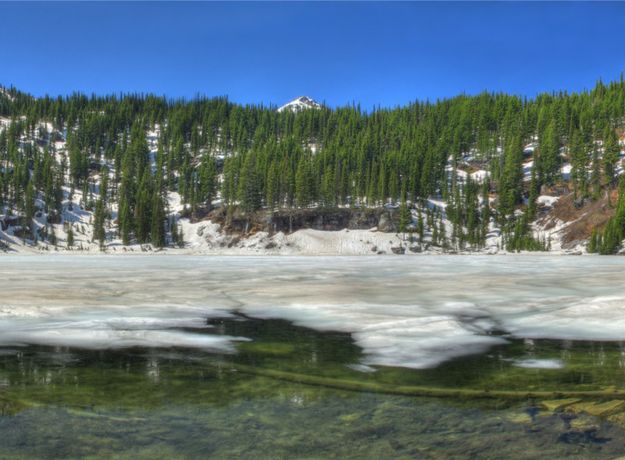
413,312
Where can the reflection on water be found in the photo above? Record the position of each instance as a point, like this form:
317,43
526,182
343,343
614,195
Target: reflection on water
185,403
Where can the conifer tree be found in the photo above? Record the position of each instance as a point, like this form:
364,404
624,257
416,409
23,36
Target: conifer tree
405,219
143,209
29,206
610,155
125,222
511,180
207,182
579,165
595,177
157,230
99,233
303,192
70,236
250,191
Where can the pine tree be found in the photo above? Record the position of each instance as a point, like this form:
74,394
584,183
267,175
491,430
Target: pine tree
207,181
579,163
157,230
549,151
595,177
125,222
303,192
593,243
174,230
99,234
421,227
511,180
70,236
610,155
328,189
52,236
143,209
29,203
250,191
272,186
405,218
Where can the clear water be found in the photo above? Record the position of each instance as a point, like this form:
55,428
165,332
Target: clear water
189,357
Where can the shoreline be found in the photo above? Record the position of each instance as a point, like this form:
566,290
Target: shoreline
209,239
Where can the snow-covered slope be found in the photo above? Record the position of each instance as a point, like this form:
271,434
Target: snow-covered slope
565,228
5,92
299,104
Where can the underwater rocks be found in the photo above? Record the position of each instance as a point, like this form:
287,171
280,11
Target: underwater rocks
577,406
558,404
602,409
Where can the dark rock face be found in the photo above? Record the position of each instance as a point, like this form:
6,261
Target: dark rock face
386,223
7,222
288,221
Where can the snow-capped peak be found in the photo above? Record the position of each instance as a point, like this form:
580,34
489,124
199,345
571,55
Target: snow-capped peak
300,103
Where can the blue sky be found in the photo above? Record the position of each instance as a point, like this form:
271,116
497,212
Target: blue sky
373,53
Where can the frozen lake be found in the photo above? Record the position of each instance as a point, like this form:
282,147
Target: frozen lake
409,312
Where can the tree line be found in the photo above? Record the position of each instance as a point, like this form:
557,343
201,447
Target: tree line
254,158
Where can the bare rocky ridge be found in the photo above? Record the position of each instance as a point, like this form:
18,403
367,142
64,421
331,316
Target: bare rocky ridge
289,221
578,218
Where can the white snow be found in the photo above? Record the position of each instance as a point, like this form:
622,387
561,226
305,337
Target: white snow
207,237
529,148
547,200
527,170
480,175
566,171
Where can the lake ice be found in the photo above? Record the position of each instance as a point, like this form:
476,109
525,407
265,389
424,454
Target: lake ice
412,312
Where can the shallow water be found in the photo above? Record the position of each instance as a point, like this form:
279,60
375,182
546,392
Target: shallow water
195,357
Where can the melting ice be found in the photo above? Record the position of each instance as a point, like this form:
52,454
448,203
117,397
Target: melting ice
412,312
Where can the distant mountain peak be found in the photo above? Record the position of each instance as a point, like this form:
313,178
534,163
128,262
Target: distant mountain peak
300,103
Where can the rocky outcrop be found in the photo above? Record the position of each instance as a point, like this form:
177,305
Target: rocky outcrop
289,221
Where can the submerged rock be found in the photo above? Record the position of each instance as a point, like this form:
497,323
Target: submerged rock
520,417
585,424
558,404
598,409
350,418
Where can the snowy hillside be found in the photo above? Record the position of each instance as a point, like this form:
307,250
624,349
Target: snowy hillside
207,237
142,173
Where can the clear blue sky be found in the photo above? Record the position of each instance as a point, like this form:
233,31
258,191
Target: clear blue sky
373,53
